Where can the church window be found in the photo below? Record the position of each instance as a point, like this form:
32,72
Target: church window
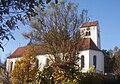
88,33
37,63
82,61
47,61
94,60
11,66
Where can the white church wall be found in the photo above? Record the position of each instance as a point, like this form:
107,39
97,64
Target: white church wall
8,63
88,60
85,53
42,60
98,37
100,60
94,35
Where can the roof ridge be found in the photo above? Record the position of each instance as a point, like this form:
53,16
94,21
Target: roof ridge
86,44
88,24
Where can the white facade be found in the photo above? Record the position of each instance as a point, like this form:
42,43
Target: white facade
42,60
10,63
88,60
85,53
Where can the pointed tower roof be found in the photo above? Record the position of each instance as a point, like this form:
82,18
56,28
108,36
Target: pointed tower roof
89,24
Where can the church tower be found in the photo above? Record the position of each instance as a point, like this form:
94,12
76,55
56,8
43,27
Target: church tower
91,30
91,55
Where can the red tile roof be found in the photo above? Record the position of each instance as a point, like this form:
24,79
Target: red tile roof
21,50
89,24
87,43
18,52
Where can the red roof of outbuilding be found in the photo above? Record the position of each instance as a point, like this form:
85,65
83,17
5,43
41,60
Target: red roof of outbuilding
89,24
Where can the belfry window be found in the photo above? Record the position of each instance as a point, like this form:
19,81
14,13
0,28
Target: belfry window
88,33
94,60
82,61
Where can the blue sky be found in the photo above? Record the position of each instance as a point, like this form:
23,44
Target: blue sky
107,12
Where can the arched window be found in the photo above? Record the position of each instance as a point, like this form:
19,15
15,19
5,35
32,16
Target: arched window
37,63
88,33
94,60
47,61
11,66
82,61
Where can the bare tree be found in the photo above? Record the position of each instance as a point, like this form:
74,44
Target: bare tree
57,30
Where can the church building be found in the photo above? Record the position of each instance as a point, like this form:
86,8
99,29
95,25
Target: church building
91,54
